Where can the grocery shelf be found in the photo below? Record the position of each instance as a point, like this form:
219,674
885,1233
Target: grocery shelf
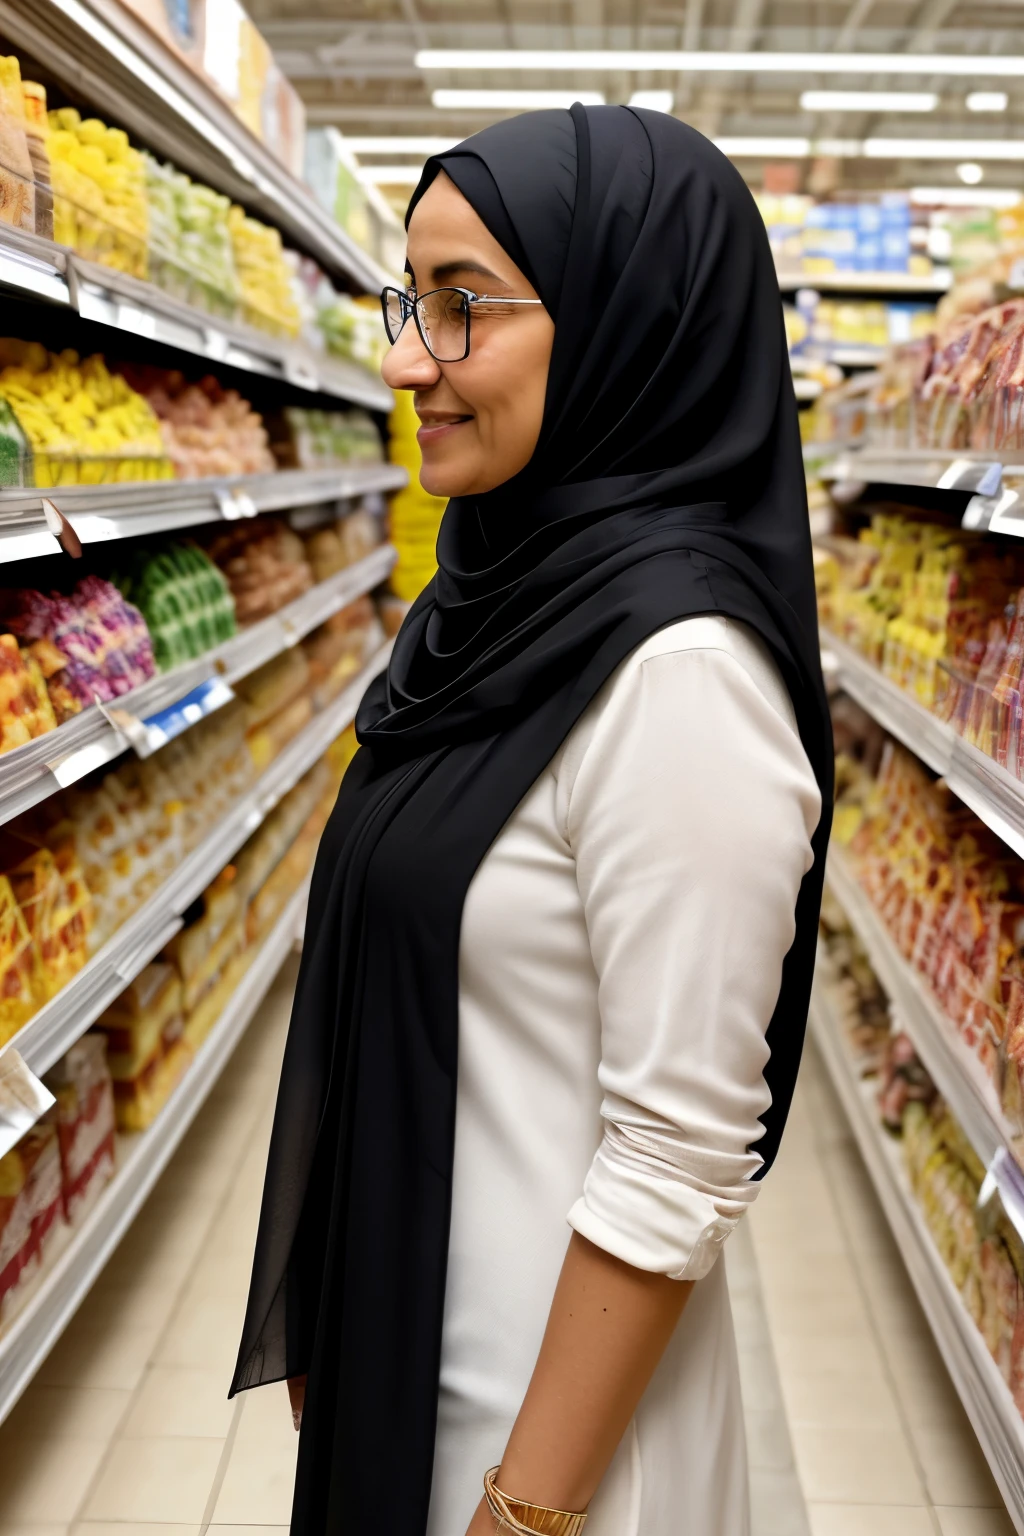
893,283
113,60
958,1074
127,304
994,795
98,513
46,1036
37,770
983,1392
33,1331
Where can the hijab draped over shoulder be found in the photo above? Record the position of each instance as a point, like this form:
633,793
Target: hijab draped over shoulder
667,482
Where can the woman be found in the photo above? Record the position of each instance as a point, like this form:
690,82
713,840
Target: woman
562,921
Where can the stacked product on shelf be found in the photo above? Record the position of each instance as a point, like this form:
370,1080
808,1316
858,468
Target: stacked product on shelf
415,514
90,644
191,255
183,598
265,565
302,438
51,1179
952,897
98,179
123,1071
65,420
941,613
76,867
206,430
80,182
345,542
83,424
870,235
979,1246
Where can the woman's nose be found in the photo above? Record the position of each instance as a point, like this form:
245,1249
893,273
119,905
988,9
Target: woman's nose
409,365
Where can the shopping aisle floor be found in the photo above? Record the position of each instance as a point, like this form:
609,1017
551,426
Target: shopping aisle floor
853,1427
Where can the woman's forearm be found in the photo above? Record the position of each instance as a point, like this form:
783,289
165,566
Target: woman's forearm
607,1329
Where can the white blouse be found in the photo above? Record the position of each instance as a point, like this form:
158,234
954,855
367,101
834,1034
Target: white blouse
621,954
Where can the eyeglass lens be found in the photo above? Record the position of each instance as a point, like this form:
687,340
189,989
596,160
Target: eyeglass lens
443,317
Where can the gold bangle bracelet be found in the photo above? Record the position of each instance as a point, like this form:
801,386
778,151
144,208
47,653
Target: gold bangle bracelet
517,1515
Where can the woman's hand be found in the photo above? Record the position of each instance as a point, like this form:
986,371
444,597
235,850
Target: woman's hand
482,1523
297,1398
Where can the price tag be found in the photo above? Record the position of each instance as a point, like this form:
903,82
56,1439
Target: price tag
235,505
300,373
216,345
23,1098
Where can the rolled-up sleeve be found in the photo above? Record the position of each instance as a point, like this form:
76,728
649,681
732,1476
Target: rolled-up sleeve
689,817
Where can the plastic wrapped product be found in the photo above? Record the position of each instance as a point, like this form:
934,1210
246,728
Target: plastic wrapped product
17,186
204,947
184,600
137,1102
25,708
273,685
31,1214
146,1018
81,1084
56,921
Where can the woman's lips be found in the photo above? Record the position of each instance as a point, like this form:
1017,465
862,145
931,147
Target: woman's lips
434,431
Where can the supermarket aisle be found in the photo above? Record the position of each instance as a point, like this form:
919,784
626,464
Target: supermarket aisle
126,1431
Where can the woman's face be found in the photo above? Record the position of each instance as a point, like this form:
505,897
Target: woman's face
480,418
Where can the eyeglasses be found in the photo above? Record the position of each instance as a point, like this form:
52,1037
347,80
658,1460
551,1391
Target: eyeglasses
442,317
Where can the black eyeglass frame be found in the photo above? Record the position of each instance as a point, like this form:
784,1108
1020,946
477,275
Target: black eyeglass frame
411,308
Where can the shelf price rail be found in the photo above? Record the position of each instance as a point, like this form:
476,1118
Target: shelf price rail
983,1392
57,1025
984,488
31,520
37,770
34,1330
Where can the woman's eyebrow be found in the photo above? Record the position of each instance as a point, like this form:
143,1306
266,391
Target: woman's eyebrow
449,269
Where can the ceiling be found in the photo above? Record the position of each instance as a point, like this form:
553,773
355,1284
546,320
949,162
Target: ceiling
354,64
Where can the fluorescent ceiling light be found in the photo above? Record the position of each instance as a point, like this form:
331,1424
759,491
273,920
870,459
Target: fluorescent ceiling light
869,101
970,173
967,65
419,144
485,100
962,197
754,148
390,175
944,149
987,101
658,101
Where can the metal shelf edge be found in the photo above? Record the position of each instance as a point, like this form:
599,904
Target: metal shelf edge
993,1414
33,1332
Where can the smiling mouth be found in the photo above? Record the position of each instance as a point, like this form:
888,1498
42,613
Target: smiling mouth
433,431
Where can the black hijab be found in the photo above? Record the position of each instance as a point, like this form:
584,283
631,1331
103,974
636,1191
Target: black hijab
667,482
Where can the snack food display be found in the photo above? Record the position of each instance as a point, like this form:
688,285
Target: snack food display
940,612
206,430
84,425
31,1214
84,1115
265,565
264,278
88,644
191,254
952,897
183,598
308,439
99,192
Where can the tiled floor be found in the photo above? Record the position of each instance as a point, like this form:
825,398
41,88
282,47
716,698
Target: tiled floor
853,1427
